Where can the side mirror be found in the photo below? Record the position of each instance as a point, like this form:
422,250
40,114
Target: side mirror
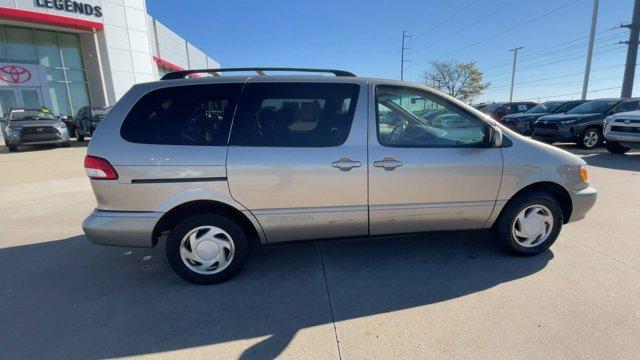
496,137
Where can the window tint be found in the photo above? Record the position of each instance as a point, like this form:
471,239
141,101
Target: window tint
183,115
627,106
295,115
412,118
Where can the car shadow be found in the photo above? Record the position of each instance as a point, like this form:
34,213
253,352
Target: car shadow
35,148
600,157
72,299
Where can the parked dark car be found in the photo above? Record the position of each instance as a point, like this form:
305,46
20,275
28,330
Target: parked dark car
87,120
523,122
498,110
582,124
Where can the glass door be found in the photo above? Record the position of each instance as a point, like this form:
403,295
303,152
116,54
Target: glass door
30,98
8,100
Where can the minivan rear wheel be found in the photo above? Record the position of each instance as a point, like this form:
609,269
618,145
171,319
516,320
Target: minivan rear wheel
529,224
206,249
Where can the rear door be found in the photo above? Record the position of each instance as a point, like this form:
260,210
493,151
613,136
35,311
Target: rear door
428,170
297,156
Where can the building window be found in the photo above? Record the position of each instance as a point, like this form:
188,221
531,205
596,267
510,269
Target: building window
61,55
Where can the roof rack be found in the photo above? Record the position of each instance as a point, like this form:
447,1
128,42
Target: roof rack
260,71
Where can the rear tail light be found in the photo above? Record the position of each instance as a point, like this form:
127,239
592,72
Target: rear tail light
99,169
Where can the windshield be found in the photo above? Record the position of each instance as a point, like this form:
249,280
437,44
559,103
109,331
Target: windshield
492,107
24,115
592,107
547,107
101,111
567,106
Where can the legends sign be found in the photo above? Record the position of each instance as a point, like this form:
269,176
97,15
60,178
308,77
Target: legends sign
71,7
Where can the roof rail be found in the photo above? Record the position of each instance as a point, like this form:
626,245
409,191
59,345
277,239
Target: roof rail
259,70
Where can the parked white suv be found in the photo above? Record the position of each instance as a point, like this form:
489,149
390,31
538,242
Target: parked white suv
216,162
622,132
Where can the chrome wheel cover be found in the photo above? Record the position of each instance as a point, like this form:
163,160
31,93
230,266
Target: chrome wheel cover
590,138
532,226
207,250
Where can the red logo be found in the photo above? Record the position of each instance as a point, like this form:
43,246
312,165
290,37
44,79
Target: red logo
14,74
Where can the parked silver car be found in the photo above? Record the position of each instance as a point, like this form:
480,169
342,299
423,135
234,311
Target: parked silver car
32,127
216,162
622,132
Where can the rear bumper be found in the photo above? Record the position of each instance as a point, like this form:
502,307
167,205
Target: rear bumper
583,200
121,228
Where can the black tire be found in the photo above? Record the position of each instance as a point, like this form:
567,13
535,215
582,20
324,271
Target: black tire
586,134
502,229
79,137
615,148
241,248
12,148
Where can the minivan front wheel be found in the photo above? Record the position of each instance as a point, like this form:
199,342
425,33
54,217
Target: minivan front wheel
529,224
206,249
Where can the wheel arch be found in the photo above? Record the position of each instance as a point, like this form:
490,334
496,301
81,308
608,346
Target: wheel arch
548,187
172,217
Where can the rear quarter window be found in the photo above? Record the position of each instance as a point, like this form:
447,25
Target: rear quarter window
183,115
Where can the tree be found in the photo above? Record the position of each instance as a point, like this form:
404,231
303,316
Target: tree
460,80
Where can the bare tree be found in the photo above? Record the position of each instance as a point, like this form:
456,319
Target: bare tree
460,80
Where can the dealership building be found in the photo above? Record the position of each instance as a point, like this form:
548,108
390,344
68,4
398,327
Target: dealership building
66,54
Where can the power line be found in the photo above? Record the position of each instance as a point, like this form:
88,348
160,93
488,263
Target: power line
470,25
445,20
510,29
578,93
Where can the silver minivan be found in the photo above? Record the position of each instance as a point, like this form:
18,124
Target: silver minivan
216,162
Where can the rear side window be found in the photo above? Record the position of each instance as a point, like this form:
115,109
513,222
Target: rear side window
295,115
183,115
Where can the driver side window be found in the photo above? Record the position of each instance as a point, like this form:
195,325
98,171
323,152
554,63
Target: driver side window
413,118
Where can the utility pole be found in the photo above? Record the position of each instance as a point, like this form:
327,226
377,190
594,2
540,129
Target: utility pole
592,35
632,52
402,59
513,71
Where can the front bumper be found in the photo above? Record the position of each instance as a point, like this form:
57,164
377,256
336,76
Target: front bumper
583,200
555,132
627,137
61,137
121,228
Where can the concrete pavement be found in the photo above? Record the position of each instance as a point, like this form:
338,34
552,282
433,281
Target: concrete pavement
446,295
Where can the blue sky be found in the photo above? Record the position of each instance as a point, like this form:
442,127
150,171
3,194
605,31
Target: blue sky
364,37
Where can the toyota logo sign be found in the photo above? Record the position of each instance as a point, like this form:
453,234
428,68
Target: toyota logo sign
14,74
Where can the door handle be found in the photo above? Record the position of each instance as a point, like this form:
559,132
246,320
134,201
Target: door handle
388,163
346,164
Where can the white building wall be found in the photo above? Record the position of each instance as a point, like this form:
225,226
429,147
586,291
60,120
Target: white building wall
130,40
127,44
171,47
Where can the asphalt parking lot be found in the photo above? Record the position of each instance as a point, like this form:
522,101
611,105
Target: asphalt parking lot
448,295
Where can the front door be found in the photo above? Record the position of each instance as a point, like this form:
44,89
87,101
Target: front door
297,158
430,166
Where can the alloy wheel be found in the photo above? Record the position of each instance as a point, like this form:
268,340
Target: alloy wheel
590,139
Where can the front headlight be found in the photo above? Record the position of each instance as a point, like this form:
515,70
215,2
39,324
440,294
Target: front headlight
567,122
607,120
14,129
61,127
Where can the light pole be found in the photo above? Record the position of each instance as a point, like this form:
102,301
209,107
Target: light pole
592,35
632,52
513,71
